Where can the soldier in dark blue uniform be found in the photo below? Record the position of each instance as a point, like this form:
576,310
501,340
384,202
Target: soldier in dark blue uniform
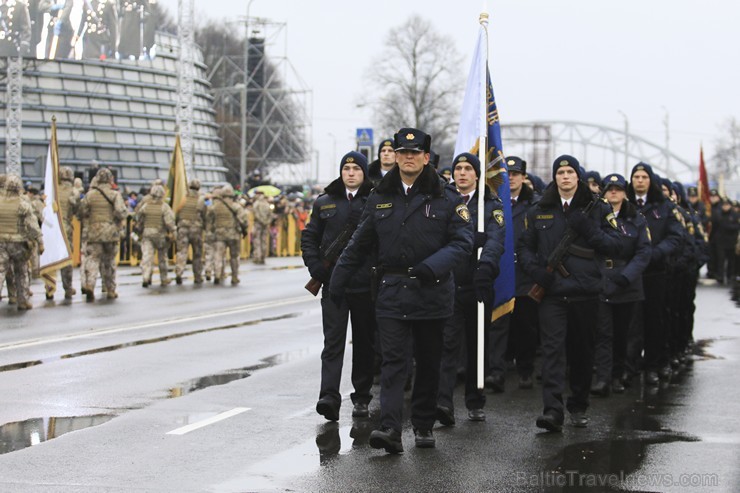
570,304
621,288
385,162
517,332
665,235
98,29
339,208
15,29
593,180
421,230
473,282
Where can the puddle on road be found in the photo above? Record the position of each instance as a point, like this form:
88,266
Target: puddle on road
22,434
141,342
227,376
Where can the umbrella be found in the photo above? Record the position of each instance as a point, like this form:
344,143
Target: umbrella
268,190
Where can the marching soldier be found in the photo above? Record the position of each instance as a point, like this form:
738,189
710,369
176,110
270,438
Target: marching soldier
593,180
209,240
103,213
19,233
98,29
191,220
15,28
419,230
37,202
69,201
156,221
621,288
336,211
133,15
644,191
570,304
228,221
473,282
59,30
385,162
518,331
261,227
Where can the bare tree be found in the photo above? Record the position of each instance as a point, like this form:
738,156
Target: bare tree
416,82
727,156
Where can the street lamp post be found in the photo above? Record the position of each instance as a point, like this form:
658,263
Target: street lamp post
244,144
626,143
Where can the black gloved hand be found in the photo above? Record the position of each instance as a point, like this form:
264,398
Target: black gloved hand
483,282
620,280
543,278
479,240
319,272
580,223
423,273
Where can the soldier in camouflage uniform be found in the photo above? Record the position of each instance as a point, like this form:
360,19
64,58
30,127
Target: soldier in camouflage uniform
37,202
19,233
209,243
157,222
261,227
190,223
69,203
228,221
103,213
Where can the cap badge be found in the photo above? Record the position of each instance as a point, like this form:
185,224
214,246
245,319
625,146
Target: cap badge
409,136
350,160
640,168
614,178
511,162
564,162
462,158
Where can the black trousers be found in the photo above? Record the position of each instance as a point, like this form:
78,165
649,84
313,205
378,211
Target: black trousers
462,325
397,338
523,334
567,329
361,310
654,327
610,350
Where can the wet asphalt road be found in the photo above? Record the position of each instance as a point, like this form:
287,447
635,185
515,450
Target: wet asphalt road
213,389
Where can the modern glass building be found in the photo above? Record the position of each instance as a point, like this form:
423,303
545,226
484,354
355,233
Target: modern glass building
118,113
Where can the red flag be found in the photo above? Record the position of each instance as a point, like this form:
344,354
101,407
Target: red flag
703,182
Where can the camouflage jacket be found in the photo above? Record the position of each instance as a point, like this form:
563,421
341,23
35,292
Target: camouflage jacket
103,213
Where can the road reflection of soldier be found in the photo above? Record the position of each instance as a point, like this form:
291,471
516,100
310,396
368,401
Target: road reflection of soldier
191,221
103,213
156,221
261,228
15,28
133,15
621,288
69,201
228,220
98,29
473,283
337,210
19,232
421,230
59,30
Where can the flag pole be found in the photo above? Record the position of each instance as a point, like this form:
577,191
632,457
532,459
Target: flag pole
482,151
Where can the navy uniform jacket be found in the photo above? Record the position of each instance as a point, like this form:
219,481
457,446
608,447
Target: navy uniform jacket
329,217
431,225
527,197
688,253
493,247
546,225
631,260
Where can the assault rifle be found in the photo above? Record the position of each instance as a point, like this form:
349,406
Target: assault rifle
331,253
556,258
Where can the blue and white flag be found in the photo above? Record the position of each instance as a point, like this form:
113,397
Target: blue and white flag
479,121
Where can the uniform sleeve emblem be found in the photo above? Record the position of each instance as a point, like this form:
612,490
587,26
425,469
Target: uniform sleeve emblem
612,220
498,215
328,206
463,212
650,237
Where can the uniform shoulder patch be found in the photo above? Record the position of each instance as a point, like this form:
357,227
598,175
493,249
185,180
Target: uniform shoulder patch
463,212
384,206
498,215
612,220
328,206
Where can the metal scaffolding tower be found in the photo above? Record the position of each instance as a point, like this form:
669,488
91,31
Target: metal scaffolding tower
185,79
14,116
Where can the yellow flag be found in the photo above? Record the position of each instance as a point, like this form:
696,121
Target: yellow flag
177,181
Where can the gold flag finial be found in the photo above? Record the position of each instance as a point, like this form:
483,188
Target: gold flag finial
483,19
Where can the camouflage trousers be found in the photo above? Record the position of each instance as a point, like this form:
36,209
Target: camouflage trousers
260,239
15,255
193,237
209,247
148,247
66,271
100,258
219,259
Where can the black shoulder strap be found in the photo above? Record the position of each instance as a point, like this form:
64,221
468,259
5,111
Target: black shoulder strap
105,196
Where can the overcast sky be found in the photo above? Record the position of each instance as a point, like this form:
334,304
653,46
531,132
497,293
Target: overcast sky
580,60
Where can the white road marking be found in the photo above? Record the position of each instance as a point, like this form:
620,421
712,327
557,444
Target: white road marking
160,323
215,419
